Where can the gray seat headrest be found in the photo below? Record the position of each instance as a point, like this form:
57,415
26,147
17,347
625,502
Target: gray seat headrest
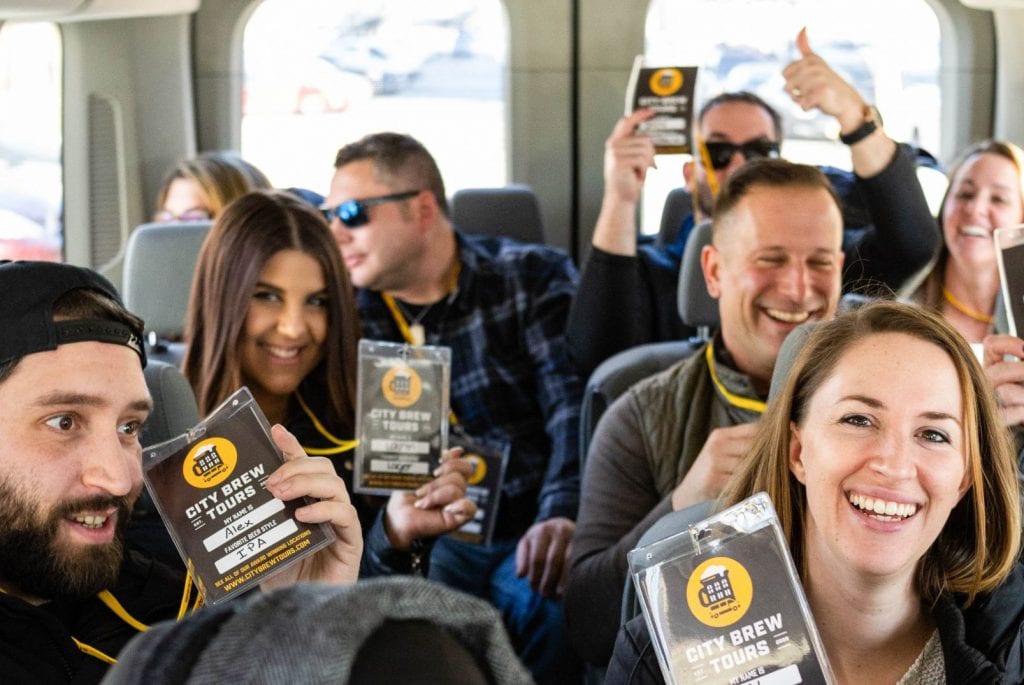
511,211
159,262
696,306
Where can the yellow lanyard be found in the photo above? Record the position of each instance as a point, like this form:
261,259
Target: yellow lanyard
417,338
399,318
340,445
407,333
709,170
735,400
111,603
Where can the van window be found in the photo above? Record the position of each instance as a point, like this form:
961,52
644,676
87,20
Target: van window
319,74
888,50
31,184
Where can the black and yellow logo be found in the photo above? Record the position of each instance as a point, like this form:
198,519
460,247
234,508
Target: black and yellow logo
401,386
666,81
719,592
479,468
209,462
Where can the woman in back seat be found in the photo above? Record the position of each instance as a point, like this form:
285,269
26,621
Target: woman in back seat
986,192
199,189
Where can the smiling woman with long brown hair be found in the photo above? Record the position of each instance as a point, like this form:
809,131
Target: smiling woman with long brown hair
272,308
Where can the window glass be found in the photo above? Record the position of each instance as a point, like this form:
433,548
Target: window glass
321,73
31,184
888,50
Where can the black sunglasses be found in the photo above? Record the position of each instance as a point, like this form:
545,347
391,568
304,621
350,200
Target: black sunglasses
721,152
353,214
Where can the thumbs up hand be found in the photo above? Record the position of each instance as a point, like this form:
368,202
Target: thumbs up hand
812,84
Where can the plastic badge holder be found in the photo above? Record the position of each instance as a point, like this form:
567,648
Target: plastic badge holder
1010,257
723,602
401,415
483,486
209,487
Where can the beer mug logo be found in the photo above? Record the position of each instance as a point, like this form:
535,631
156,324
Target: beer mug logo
666,81
719,592
401,386
209,462
716,588
206,461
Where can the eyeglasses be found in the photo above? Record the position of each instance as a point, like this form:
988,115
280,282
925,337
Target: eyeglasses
721,152
353,214
165,216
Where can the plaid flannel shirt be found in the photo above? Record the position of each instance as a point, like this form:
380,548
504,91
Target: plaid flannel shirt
512,382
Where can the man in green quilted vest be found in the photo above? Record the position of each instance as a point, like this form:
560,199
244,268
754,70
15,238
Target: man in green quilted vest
673,439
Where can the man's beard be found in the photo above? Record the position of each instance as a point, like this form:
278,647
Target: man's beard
34,562
705,199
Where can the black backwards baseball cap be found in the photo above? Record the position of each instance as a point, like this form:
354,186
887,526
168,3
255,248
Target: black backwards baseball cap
28,291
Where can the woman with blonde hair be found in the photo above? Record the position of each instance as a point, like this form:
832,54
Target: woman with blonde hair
986,192
896,486
199,189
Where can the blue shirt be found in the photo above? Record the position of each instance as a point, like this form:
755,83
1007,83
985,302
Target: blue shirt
511,381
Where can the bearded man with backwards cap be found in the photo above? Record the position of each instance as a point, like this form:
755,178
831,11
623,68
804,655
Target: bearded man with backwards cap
73,396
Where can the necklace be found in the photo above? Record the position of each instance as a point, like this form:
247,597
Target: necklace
964,309
413,331
416,335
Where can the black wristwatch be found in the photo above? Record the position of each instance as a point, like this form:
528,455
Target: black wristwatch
870,125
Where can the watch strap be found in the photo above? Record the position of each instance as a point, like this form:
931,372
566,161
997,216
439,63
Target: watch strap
869,126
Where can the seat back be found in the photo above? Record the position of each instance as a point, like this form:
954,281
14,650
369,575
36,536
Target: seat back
174,404
678,203
696,306
617,373
174,412
668,525
158,265
511,211
791,346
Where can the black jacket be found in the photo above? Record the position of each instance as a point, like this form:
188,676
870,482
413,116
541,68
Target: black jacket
35,641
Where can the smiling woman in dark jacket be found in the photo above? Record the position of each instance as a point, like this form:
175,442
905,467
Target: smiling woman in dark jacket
896,486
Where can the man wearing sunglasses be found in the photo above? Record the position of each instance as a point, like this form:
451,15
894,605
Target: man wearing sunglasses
501,307
627,294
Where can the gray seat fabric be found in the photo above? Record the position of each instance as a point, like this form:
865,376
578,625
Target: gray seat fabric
174,412
617,373
511,211
158,266
791,346
668,525
174,404
678,203
696,306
